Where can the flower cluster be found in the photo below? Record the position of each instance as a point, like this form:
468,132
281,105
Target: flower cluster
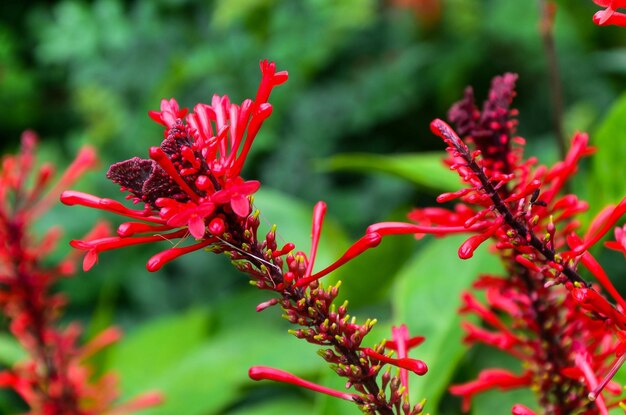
542,311
610,15
191,185
54,380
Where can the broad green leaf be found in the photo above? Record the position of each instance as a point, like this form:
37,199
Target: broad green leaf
607,165
276,407
210,378
423,169
427,298
156,347
11,351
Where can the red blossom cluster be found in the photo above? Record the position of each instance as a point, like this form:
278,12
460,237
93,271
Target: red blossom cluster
542,312
191,186
610,15
54,379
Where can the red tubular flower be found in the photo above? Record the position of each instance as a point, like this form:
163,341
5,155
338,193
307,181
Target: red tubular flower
192,179
268,373
620,241
416,366
489,379
54,379
519,409
516,204
191,185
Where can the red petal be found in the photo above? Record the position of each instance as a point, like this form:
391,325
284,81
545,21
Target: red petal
240,205
196,226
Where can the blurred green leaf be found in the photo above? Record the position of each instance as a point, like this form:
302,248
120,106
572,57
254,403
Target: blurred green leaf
365,280
210,377
427,297
607,164
276,407
156,347
423,169
11,351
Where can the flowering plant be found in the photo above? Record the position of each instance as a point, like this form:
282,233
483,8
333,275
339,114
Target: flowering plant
55,378
551,309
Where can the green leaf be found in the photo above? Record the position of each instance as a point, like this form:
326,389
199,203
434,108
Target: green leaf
607,185
422,169
11,351
426,298
275,407
155,348
211,377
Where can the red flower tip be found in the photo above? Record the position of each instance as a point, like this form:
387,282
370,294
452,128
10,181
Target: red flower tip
170,112
266,304
143,401
107,337
157,261
447,134
236,193
217,226
489,379
91,259
269,373
366,242
410,344
414,365
466,250
319,211
519,409
589,299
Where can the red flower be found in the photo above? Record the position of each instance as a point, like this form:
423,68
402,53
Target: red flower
527,313
269,373
191,180
236,193
54,379
489,379
610,16
189,214
620,241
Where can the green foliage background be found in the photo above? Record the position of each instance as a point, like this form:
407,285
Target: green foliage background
366,77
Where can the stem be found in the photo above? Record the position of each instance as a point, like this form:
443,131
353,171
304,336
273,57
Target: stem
547,10
294,295
543,312
524,232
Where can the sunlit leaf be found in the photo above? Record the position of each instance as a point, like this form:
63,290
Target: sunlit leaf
423,169
427,297
10,350
607,164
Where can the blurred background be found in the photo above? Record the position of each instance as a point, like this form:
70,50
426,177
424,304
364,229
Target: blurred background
351,127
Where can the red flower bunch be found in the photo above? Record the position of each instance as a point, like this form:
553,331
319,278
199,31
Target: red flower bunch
541,312
610,15
54,380
191,185
192,181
